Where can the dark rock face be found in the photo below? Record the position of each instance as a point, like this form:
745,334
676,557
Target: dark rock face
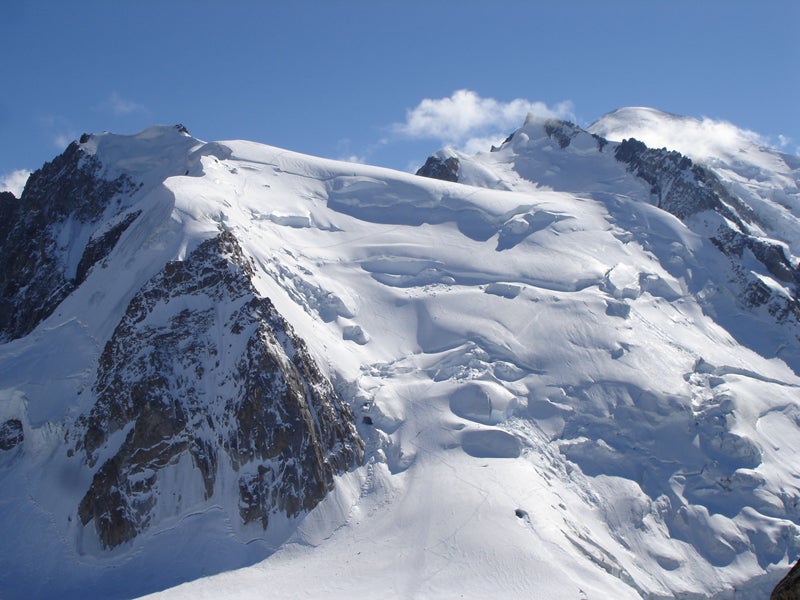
505,141
788,588
99,246
756,293
673,180
436,168
561,131
203,371
11,434
33,271
681,187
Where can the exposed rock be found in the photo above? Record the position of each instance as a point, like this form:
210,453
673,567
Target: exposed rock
505,141
755,292
681,187
11,434
99,247
601,142
771,255
788,588
437,168
561,131
227,381
33,269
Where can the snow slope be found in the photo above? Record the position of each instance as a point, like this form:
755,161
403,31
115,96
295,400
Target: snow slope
549,406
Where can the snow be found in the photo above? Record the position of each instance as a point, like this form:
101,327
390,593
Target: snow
554,413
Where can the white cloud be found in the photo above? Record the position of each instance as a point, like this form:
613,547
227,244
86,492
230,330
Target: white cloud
724,134
483,144
120,106
345,153
59,129
471,122
700,139
353,158
62,140
14,182
785,143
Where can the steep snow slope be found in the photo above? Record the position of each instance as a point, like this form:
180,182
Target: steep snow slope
550,406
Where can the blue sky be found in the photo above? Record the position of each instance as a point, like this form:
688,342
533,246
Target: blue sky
385,82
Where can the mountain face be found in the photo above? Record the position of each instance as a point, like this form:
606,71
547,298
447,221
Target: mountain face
39,267
224,381
567,367
202,383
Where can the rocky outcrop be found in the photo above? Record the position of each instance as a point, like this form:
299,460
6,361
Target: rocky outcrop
438,168
202,371
101,244
755,292
64,194
788,588
11,434
561,131
681,187
7,200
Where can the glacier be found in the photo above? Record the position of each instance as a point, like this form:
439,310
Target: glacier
569,371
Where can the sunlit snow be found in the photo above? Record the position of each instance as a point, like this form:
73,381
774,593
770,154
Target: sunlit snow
550,409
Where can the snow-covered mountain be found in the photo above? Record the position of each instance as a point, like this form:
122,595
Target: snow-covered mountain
565,368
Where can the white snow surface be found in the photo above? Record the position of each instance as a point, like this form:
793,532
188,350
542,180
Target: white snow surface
551,411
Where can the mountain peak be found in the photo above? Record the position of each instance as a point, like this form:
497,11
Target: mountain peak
640,122
637,114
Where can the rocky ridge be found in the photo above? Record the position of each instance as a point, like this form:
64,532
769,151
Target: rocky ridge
435,167
225,384
688,191
62,212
